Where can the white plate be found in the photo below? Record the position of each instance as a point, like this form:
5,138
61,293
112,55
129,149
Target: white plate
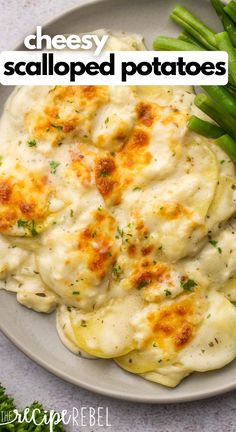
35,334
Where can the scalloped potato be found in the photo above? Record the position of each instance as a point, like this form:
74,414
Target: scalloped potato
116,215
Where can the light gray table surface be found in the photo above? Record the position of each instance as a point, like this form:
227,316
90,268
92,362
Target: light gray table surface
28,381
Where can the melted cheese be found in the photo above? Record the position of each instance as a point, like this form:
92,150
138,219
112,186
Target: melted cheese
114,213
77,264
24,200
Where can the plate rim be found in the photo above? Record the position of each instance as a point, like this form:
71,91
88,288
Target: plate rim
114,394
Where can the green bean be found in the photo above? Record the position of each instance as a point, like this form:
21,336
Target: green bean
228,24
186,37
218,6
193,32
204,128
224,44
230,9
228,145
195,27
217,113
164,43
223,98
231,89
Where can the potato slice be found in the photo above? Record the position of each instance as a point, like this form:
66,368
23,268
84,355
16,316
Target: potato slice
229,289
107,332
64,329
223,204
148,364
169,377
155,94
180,97
140,361
214,344
204,164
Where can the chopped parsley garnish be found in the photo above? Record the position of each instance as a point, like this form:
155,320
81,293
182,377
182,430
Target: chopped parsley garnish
83,323
94,234
32,143
72,213
53,89
104,173
106,120
116,272
136,188
167,292
142,284
21,223
208,316
29,225
1,159
54,165
188,285
31,228
154,345
214,243
120,232
100,208
57,126
76,293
